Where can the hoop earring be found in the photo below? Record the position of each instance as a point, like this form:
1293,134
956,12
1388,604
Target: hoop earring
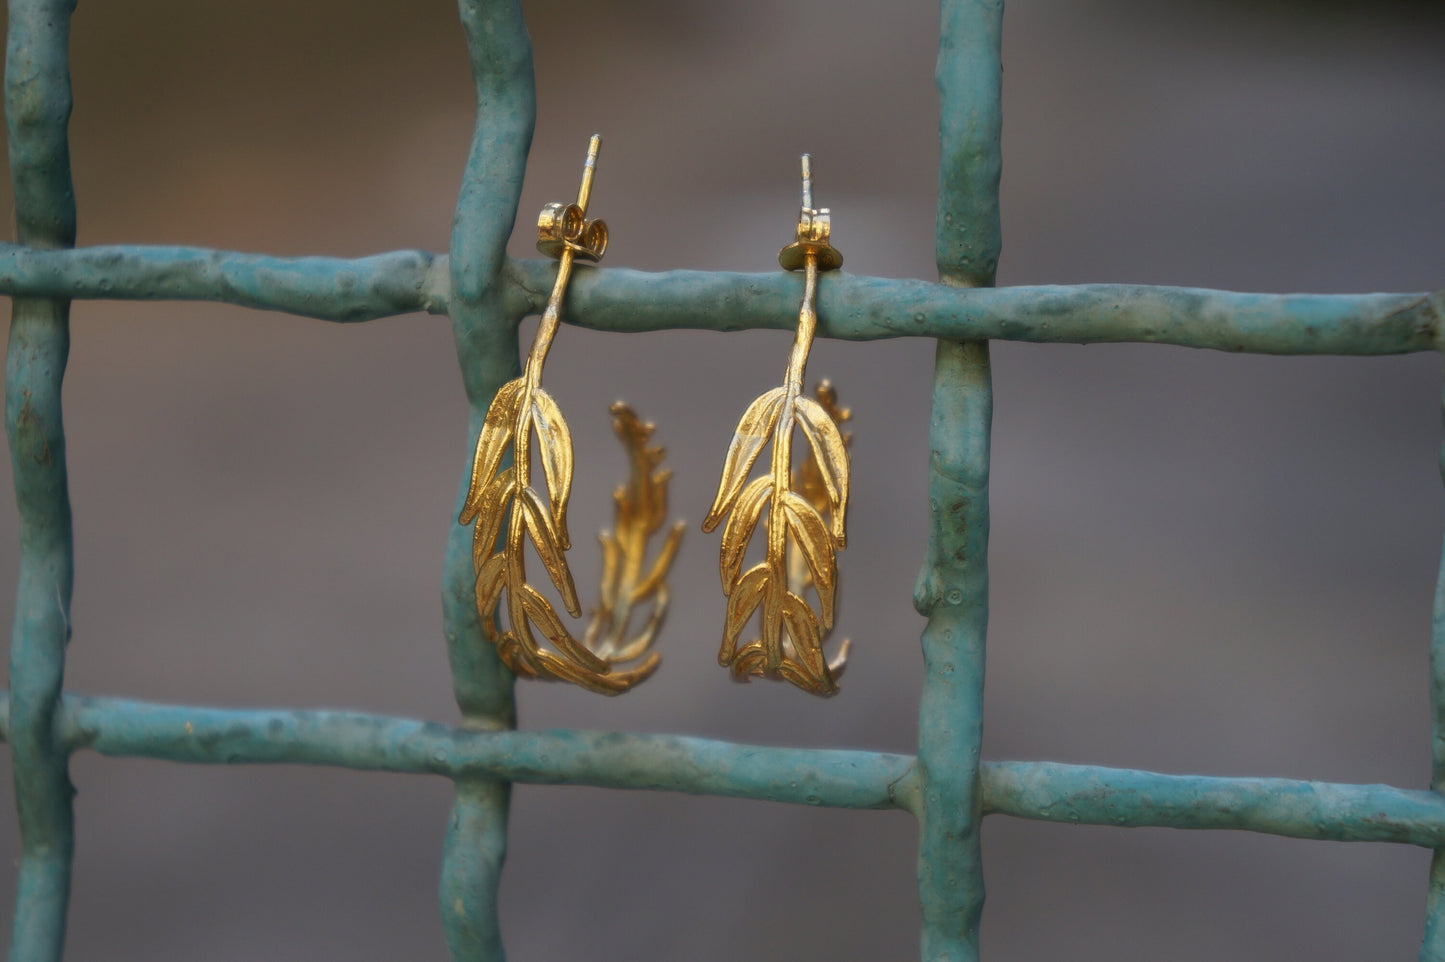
508,511
801,546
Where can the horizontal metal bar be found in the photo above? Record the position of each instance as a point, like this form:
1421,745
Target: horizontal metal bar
329,288
849,307
869,308
179,733
1044,791
1081,794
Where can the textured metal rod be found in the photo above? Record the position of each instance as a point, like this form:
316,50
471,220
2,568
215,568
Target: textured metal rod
952,588
850,307
861,308
1086,795
37,111
329,288
500,53
953,592
1043,791
697,766
1432,948
969,75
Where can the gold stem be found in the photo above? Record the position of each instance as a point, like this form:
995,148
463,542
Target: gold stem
552,316
777,546
808,311
782,462
807,325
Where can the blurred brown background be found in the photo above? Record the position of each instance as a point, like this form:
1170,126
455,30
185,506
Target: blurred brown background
1200,562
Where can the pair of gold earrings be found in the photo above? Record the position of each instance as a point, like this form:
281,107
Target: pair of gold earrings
805,507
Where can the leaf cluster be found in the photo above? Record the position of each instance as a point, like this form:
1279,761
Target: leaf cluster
508,513
792,634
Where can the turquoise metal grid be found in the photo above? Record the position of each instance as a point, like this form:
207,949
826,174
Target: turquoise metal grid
946,786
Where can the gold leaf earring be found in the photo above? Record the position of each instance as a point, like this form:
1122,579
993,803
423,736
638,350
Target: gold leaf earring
503,505
801,545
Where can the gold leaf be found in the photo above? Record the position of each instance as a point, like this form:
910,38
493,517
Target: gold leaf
654,582
561,668
827,396
611,553
492,443
643,501
751,659
753,432
807,644
746,595
739,529
812,539
640,507
830,455
818,684
491,509
657,509
544,536
808,479
515,657
518,624
628,678
802,626
644,638
555,448
545,617
491,577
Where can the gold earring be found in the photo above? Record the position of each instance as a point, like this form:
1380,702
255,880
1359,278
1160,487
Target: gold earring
801,546
520,410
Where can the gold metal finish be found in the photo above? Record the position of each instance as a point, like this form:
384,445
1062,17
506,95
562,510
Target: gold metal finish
808,482
498,499
641,508
791,643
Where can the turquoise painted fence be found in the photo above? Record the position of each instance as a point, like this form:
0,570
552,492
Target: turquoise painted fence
946,786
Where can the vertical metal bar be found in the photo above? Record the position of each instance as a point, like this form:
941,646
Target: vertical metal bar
37,110
1432,948
953,586
486,337
953,593
970,123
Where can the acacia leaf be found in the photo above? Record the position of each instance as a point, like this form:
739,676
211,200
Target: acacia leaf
643,641
611,560
807,636
746,595
812,538
555,448
830,455
491,577
544,537
544,616
739,529
491,509
496,434
753,431
656,578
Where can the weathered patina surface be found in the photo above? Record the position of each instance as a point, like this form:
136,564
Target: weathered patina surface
946,786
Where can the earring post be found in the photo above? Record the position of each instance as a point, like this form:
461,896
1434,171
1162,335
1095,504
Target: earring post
589,170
